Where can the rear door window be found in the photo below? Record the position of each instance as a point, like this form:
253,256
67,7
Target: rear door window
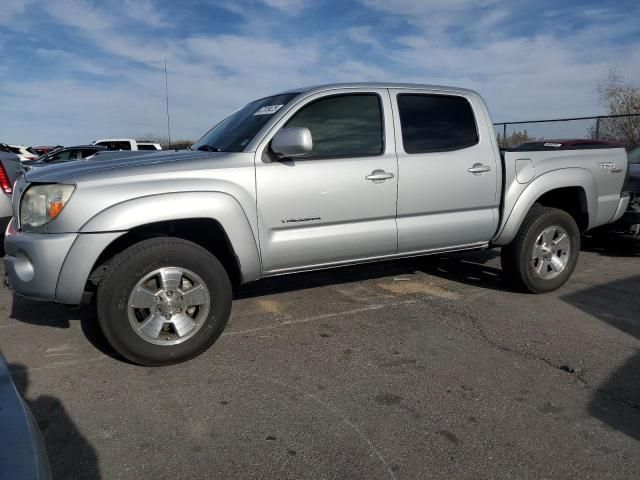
436,123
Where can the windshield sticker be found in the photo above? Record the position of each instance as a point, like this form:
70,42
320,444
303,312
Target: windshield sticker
269,110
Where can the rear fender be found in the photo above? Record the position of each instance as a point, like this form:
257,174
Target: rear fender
562,178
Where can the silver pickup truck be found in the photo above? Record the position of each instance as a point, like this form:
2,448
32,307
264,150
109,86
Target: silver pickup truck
307,179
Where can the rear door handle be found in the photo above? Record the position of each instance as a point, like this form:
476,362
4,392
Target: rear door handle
479,168
378,176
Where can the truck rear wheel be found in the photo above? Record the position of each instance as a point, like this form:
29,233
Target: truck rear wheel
163,301
545,251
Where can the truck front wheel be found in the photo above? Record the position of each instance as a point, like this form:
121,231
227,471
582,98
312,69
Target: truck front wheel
163,301
544,253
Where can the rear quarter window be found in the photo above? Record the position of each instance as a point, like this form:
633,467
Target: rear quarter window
436,123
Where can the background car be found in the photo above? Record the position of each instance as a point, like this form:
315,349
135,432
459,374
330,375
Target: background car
631,218
44,149
149,146
23,455
634,156
66,154
22,151
565,144
10,168
127,144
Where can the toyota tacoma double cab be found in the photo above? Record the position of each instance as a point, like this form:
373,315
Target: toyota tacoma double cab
307,179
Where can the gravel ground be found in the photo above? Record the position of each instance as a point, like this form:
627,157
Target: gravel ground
426,368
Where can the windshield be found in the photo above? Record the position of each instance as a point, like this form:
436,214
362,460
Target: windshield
234,132
634,156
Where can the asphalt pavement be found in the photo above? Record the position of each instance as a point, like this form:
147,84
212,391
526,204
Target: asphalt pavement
423,368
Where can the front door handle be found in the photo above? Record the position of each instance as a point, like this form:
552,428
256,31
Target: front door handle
479,168
378,176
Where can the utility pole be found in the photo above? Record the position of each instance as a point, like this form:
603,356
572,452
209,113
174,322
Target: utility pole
166,91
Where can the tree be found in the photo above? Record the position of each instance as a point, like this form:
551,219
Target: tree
513,139
619,97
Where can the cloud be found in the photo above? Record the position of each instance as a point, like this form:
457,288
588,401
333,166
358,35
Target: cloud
542,72
289,6
64,58
106,64
144,11
13,9
363,35
411,8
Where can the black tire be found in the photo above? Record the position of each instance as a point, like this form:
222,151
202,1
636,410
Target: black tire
516,257
132,265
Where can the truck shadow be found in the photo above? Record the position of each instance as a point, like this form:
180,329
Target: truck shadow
457,267
478,268
471,267
61,316
611,245
616,402
70,453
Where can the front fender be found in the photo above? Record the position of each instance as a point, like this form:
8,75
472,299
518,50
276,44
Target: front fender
520,206
218,206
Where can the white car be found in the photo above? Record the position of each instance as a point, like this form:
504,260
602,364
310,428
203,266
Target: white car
25,154
127,144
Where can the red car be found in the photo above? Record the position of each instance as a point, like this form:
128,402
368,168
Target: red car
564,144
41,150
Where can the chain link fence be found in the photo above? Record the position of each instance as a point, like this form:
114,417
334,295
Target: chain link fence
620,128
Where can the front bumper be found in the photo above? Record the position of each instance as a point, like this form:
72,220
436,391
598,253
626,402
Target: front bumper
623,203
52,266
32,261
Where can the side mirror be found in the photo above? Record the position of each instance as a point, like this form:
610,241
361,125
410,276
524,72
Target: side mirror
292,142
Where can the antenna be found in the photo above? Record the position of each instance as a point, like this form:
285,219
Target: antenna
166,91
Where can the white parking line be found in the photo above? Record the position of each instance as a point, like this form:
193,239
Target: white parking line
324,316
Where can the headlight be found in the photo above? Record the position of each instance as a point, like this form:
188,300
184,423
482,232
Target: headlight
42,203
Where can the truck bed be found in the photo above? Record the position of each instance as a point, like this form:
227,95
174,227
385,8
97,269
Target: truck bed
597,170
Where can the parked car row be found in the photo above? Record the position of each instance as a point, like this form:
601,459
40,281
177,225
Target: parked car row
49,154
66,154
127,144
25,154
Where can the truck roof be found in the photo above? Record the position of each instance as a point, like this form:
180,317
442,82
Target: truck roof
329,86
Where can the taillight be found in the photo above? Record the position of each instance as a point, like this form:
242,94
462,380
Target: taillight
5,184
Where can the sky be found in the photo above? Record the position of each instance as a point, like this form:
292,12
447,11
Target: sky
73,71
